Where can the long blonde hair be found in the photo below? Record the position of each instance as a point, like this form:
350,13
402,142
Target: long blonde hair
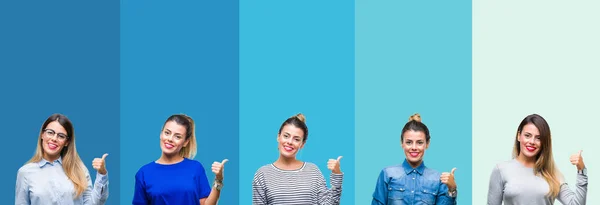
188,151
71,163
544,164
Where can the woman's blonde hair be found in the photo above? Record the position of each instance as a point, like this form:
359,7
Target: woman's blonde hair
71,163
544,164
188,151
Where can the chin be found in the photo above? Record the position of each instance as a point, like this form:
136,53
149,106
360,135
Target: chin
291,155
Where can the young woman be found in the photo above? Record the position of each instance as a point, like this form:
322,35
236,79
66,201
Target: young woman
175,178
55,174
532,177
291,181
412,182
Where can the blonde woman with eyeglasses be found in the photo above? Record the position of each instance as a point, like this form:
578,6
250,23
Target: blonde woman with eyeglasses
55,174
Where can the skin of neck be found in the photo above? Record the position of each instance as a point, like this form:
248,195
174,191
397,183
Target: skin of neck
290,163
415,165
50,158
526,161
170,159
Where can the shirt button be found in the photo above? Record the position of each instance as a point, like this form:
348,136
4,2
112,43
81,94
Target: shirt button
413,178
390,188
412,191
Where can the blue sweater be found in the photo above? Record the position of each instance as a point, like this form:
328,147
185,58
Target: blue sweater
175,184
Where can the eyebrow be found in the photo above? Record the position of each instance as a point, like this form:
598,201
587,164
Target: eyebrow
175,133
533,134
55,131
292,135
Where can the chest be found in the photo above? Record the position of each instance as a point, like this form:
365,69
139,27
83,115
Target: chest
52,185
171,186
413,189
526,187
293,188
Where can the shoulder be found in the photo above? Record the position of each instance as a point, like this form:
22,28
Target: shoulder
192,163
262,171
264,168
28,168
510,164
394,170
149,167
431,172
310,166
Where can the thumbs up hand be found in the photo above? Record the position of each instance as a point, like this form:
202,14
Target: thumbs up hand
100,165
334,165
577,160
217,168
448,179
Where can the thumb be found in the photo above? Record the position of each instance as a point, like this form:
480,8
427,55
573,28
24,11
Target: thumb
453,169
104,156
223,162
338,159
580,151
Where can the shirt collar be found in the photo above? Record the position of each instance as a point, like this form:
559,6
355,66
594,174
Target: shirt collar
408,169
43,162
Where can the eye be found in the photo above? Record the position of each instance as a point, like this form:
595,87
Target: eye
62,136
408,142
166,132
420,142
50,132
286,136
178,137
297,140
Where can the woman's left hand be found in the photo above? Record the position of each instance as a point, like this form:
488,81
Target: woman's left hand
334,165
217,168
577,160
448,179
99,164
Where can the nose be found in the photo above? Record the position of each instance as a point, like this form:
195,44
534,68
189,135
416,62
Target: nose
530,140
53,138
169,138
413,146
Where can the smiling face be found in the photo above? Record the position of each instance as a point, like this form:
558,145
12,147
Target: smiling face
54,139
172,138
529,141
290,140
414,144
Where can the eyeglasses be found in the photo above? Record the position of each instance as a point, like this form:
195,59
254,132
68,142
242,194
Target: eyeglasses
59,136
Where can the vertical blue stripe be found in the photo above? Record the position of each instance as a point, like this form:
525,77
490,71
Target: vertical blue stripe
180,57
413,56
297,56
59,57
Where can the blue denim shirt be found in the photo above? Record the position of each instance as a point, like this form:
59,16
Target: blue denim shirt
402,184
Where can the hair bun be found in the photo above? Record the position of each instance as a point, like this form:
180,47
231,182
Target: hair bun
300,117
415,117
